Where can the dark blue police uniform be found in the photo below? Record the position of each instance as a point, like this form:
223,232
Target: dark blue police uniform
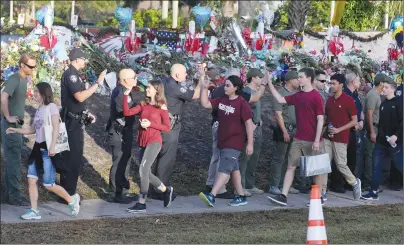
176,94
120,137
72,83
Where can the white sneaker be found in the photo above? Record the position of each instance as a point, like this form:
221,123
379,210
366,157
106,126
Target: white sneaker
75,206
31,214
255,191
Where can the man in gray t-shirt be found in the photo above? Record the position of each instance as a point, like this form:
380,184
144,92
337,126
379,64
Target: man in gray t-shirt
13,106
283,137
372,107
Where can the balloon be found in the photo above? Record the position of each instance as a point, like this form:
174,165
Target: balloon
277,18
124,17
60,51
202,15
399,39
268,14
336,47
396,22
40,14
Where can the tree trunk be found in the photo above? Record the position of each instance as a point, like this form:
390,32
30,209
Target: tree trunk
297,13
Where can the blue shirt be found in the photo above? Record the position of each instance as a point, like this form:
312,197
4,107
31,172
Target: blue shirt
358,103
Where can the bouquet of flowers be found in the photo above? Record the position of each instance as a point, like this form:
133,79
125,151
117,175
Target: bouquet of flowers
48,68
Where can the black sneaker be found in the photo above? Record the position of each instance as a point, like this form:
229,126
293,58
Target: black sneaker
226,195
208,189
19,201
279,199
138,208
122,199
168,195
395,187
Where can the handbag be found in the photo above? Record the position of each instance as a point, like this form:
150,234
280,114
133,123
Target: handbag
315,165
62,143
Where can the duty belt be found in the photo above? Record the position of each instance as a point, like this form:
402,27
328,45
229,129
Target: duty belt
174,120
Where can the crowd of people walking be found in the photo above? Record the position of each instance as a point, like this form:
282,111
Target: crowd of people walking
357,135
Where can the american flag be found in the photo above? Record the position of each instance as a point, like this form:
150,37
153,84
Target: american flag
165,37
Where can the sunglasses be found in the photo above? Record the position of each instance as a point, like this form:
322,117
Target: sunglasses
129,78
30,67
322,81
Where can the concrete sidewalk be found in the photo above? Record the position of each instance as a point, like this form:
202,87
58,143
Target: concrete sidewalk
93,209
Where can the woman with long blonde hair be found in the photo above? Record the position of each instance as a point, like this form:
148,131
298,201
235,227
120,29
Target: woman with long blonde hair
153,119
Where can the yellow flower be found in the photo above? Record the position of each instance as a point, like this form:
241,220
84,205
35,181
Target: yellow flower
34,48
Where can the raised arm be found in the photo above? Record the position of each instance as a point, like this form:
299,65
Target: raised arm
197,90
85,94
257,96
132,111
204,85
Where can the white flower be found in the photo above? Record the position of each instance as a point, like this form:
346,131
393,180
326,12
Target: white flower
13,48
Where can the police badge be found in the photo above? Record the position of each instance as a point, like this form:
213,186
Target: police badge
73,78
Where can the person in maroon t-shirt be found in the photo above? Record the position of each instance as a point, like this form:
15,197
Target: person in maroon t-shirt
309,112
235,126
340,116
153,120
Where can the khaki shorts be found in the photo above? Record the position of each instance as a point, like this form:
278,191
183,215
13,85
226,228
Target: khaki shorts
301,148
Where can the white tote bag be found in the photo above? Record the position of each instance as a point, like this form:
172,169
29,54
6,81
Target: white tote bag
62,143
315,165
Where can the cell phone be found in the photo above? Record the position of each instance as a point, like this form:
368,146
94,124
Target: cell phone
20,122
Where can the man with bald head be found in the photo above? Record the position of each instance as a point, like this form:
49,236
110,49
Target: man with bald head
120,136
177,92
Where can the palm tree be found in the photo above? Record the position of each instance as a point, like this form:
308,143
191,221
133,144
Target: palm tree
297,13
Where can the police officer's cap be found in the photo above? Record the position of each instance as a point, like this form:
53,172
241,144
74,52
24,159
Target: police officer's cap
76,53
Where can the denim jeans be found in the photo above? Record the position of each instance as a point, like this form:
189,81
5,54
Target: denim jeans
49,170
380,153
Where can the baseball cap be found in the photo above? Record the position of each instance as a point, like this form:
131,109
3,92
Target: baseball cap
76,53
379,78
290,75
254,72
389,80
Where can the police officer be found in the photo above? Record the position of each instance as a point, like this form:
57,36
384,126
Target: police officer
73,95
177,93
120,137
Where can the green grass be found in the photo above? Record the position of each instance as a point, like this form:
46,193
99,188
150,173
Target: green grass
366,224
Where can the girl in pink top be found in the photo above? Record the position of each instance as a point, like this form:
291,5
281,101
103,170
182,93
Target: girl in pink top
41,157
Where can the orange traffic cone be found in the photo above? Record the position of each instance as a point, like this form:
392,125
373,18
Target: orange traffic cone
316,228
